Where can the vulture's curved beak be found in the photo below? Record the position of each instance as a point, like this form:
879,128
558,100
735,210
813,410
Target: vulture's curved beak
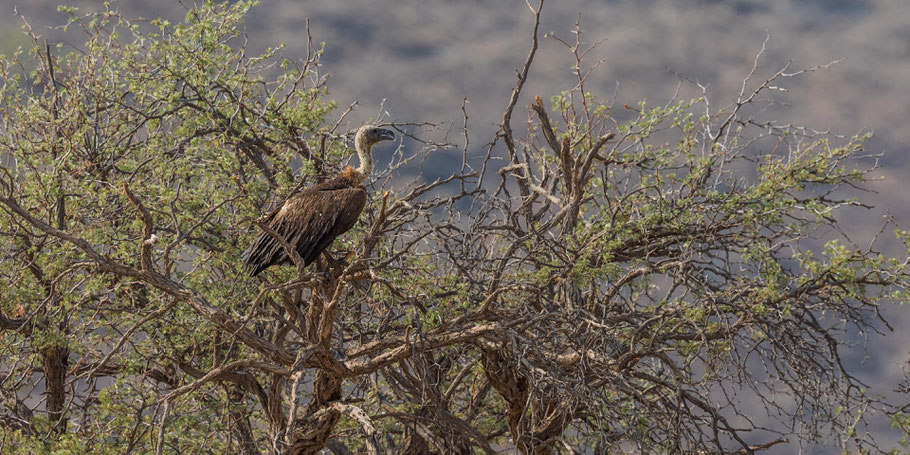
386,135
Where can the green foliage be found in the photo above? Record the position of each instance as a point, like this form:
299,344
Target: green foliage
204,136
901,421
701,240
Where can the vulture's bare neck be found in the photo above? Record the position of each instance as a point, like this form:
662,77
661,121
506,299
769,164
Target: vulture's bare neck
364,152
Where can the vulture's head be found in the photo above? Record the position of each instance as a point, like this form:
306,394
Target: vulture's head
368,135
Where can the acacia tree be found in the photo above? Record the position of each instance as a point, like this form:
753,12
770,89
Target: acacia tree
609,285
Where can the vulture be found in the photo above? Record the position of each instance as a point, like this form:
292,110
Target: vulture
309,220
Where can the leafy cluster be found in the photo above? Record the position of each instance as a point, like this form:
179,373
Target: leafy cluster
146,118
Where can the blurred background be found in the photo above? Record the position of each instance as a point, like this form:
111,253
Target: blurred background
417,60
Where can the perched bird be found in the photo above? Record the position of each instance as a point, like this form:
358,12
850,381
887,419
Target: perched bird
310,220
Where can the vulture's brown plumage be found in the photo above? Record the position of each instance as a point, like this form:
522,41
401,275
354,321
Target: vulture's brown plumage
311,219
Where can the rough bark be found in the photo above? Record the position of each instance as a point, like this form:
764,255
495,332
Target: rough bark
240,426
54,363
535,421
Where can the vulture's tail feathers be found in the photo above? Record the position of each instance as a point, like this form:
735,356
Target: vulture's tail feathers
263,253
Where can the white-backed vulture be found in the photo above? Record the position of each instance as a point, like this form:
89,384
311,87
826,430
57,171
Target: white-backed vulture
309,220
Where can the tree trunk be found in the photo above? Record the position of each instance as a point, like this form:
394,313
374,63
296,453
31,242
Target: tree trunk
311,433
240,425
54,361
537,421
